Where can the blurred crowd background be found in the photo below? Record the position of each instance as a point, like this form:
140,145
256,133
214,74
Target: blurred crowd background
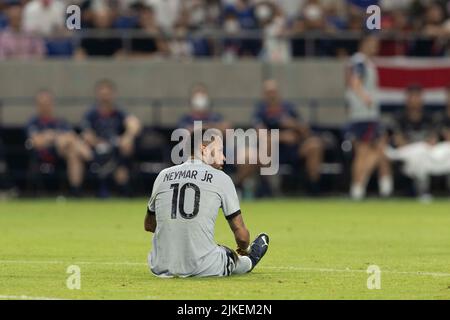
276,30
91,111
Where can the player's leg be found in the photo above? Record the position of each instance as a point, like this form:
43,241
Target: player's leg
312,150
245,172
122,178
66,146
243,265
258,249
366,156
122,173
385,180
359,174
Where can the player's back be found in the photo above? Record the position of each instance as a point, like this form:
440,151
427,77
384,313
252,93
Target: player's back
186,199
365,69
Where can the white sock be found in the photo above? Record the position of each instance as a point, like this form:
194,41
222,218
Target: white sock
243,265
422,185
357,191
385,186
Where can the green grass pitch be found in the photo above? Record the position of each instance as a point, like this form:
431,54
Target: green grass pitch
319,250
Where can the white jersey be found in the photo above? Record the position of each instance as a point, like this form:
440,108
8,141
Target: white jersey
186,199
366,71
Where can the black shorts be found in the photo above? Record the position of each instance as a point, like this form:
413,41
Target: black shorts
367,131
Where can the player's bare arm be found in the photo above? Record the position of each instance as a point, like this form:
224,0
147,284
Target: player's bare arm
241,233
132,128
90,137
42,139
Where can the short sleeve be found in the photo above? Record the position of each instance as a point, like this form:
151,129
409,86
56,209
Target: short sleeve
229,198
258,116
185,122
122,115
65,126
290,109
151,209
216,117
358,68
31,129
87,122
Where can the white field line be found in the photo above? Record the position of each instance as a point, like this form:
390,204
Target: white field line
23,297
287,268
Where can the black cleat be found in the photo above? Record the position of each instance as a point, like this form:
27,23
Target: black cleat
258,248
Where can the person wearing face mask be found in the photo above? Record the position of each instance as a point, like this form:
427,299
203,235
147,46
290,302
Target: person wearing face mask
200,104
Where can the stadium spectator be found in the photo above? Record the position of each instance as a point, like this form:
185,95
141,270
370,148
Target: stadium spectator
290,8
100,45
362,4
240,16
52,138
3,19
273,23
152,43
414,133
296,137
311,18
195,15
111,133
167,12
44,17
200,110
445,122
433,20
365,129
433,30
416,138
389,5
15,42
6,185
397,23
414,124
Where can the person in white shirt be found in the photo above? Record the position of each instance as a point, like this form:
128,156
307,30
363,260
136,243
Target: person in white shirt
44,17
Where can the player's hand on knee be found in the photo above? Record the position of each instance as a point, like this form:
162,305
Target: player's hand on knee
243,252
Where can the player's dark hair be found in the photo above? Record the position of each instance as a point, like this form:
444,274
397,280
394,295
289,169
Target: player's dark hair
44,90
366,36
414,88
12,3
195,144
197,86
106,83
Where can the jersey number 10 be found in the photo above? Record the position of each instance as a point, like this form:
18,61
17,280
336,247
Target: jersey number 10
178,202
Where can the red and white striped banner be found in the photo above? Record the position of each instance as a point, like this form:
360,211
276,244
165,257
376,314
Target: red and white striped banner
396,74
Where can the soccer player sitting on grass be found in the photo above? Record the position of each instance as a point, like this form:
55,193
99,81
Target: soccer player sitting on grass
182,212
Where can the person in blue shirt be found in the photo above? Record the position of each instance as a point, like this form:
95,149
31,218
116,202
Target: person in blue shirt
111,133
296,138
52,138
